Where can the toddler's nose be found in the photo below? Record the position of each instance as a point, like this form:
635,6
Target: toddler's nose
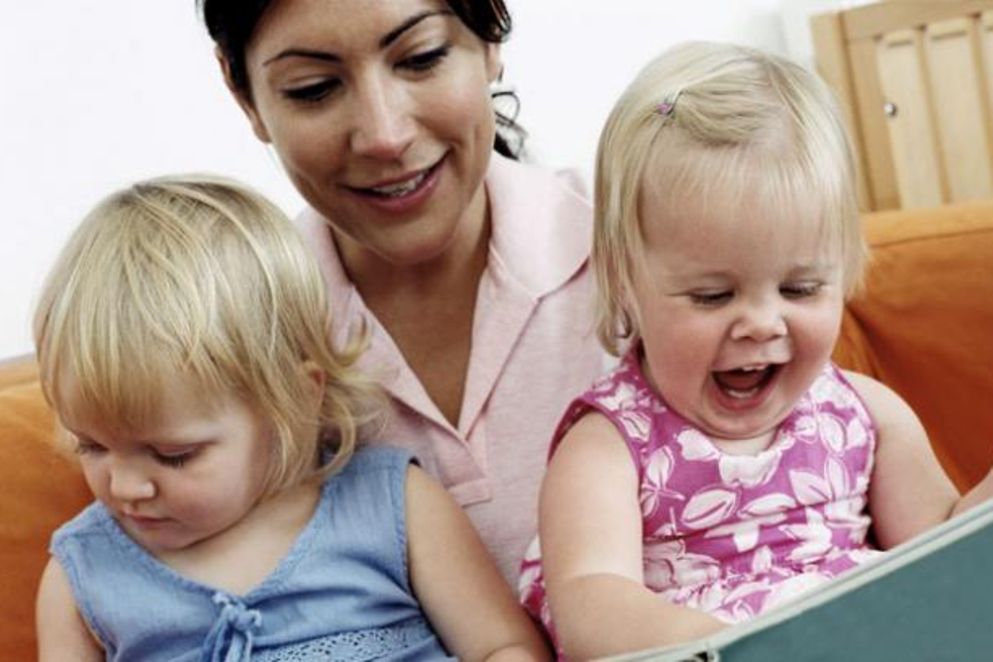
129,483
760,323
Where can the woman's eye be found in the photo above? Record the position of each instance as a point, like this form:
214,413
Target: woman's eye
425,61
800,290
710,299
313,92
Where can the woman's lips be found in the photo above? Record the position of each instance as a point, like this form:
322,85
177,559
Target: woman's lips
405,194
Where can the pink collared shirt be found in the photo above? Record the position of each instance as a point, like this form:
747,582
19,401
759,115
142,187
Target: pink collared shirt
533,349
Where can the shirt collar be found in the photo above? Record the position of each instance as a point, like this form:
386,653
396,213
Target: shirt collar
541,223
541,230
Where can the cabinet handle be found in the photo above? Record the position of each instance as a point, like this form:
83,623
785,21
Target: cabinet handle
890,109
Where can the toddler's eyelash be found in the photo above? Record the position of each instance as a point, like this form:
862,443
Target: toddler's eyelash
801,290
86,448
173,461
709,298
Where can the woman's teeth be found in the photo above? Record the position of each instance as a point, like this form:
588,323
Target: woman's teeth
402,188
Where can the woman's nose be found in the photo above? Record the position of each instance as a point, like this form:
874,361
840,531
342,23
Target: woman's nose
383,127
129,482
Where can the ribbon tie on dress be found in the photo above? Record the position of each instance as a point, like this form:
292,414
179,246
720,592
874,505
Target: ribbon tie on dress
230,639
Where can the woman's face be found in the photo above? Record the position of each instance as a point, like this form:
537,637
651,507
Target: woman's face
381,115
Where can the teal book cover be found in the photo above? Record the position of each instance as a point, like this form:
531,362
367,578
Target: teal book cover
930,599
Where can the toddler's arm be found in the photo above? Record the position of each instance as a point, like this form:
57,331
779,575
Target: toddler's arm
462,593
908,492
62,634
591,543
983,491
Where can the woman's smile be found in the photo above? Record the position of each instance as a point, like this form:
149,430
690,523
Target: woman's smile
402,194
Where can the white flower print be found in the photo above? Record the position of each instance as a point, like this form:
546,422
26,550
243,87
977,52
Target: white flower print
531,568
764,511
637,425
793,587
762,560
668,528
527,584
749,470
857,435
739,612
829,390
668,564
621,399
805,429
658,469
812,489
695,446
607,382
815,537
709,507
832,431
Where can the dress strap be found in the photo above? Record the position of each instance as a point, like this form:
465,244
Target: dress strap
231,637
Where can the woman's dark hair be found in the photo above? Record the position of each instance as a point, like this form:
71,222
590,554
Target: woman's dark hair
231,24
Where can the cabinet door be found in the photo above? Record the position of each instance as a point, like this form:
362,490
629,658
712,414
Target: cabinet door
958,88
985,36
913,140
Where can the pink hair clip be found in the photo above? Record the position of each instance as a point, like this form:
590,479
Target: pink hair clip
666,108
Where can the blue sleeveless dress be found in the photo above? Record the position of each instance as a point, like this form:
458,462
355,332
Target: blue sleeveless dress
342,591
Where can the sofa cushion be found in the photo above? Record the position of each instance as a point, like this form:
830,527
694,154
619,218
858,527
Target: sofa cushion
924,326
42,488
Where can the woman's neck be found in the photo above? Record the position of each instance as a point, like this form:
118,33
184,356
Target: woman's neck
451,275
428,307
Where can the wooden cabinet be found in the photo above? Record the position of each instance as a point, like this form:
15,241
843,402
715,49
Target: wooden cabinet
916,82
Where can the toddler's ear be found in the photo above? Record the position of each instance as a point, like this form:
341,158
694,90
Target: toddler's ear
315,381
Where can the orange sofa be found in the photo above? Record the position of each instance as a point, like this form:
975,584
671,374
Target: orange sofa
923,325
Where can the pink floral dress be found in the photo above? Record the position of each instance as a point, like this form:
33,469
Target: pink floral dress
735,535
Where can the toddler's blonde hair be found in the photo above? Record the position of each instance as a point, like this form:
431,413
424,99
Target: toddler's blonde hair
202,278
707,121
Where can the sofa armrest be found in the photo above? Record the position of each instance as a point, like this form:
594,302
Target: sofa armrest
923,325
42,488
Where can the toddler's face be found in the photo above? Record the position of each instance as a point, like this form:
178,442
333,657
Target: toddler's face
195,472
739,309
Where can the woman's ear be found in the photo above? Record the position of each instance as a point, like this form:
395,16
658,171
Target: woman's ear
494,64
243,98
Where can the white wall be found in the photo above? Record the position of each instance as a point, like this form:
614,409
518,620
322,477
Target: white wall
96,93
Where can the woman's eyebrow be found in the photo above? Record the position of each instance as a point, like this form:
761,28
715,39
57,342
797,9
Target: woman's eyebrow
395,33
385,41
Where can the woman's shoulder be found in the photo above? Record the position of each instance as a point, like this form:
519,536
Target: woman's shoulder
507,177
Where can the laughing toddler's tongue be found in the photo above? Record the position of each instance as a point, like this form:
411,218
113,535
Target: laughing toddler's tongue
741,380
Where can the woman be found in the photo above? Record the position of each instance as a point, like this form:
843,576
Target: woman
468,268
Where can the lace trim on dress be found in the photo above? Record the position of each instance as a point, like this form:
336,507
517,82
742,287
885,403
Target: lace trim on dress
356,646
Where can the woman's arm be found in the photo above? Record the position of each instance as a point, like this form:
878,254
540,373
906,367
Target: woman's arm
462,593
908,491
62,634
591,544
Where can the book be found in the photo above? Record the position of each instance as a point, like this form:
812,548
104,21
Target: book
930,598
